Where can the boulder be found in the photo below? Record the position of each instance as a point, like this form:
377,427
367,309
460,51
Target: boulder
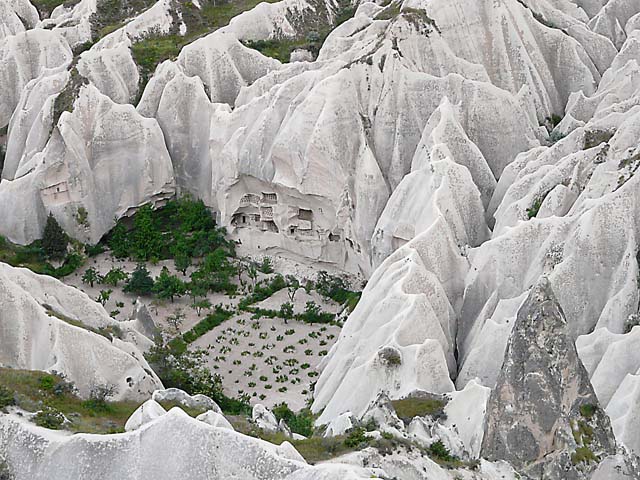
264,418
175,395
148,411
215,419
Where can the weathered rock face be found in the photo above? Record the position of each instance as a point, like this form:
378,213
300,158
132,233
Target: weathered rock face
38,331
173,445
16,16
103,157
543,415
24,57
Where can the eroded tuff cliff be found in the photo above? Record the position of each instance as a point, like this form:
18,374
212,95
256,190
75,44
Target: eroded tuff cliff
452,151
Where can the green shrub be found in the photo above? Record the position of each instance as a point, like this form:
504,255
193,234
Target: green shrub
266,266
313,314
49,417
47,382
183,228
356,438
583,455
336,288
7,397
261,292
301,422
140,281
588,410
439,451
535,208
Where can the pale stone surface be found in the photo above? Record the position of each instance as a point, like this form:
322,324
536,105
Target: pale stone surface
339,425
37,315
73,22
171,446
23,57
148,411
103,157
215,419
175,395
16,16
264,418
391,155
112,71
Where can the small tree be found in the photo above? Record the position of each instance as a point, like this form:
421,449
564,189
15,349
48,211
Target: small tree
140,281
119,241
201,304
176,320
266,266
197,287
182,261
286,311
90,276
104,297
99,397
54,240
146,237
114,276
168,286
181,253
241,267
292,286
252,272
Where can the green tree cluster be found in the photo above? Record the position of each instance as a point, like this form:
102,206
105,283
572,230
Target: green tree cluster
183,229
167,286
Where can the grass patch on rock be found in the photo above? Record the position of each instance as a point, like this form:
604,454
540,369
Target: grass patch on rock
408,408
40,391
32,257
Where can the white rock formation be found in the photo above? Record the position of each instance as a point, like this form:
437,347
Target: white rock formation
39,317
16,16
465,413
148,411
339,425
175,395
72,21
401,335
168,447
613,363
23,57
215,419
102,157
264,418
112,71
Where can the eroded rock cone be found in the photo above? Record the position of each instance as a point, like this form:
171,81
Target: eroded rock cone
543,415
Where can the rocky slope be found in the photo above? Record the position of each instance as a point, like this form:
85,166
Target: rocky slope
452,152
48,326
